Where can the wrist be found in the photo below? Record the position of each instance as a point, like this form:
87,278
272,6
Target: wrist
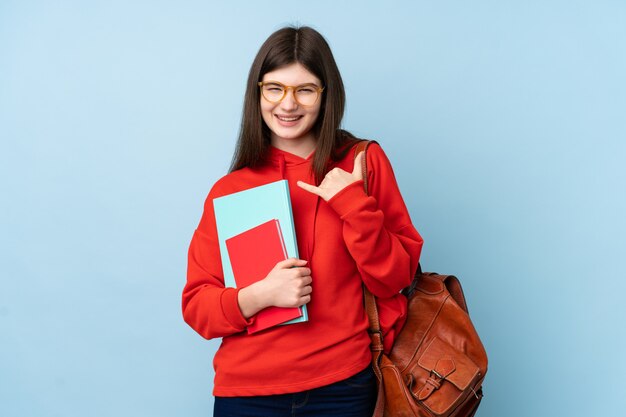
350,197
251,300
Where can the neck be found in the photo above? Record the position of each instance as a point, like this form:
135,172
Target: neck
302,147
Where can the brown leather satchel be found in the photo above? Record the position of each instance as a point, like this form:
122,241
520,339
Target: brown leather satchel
437,364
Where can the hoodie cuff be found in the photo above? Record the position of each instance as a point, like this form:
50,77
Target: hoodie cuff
348,199
230,308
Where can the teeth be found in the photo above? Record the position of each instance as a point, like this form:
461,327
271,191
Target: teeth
288,119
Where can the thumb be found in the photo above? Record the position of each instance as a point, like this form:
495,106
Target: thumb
290,263
357,172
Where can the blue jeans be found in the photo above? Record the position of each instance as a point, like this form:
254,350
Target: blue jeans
352,397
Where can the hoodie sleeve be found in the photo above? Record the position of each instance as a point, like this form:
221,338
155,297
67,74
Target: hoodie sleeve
377,228
208,307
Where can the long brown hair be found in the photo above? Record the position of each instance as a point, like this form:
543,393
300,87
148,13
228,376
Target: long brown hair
307,47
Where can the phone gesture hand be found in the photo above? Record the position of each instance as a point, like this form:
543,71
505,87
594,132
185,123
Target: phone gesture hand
335,180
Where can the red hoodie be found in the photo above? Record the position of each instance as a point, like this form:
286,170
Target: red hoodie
349,240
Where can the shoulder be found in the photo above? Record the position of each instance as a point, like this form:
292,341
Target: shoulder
227,184
242,179
233,182
380,173
224,186
376,156
375,151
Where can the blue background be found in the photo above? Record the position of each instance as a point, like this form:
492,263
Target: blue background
505,123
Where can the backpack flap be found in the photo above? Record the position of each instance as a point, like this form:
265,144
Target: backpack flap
448,378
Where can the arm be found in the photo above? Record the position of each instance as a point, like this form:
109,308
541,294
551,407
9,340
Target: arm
215,311
377,228
208,307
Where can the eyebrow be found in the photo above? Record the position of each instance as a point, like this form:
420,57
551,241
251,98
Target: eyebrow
298,85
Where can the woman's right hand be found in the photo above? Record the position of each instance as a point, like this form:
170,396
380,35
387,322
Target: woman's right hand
287,285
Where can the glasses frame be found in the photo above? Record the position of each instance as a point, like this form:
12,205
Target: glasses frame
292,87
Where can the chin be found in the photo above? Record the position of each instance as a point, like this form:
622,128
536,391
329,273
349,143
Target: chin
292,136
289,135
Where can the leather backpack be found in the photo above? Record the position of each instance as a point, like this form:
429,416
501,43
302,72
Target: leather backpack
437,364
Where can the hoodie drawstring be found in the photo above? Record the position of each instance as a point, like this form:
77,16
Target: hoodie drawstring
309,245
281,166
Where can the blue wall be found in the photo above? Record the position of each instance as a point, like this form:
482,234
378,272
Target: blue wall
505,122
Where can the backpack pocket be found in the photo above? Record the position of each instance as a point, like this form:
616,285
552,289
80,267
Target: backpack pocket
444,377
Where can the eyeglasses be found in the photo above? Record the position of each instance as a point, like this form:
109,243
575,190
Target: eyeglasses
304,94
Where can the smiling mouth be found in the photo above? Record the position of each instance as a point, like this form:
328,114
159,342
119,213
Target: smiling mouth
288,119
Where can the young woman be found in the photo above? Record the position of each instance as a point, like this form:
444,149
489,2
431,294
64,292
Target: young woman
293,107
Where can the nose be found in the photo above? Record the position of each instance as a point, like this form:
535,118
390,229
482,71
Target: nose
289,101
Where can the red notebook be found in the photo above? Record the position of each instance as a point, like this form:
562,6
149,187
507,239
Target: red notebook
253,254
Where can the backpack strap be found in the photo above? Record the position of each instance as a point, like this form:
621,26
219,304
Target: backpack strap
362,147
370,299
376,335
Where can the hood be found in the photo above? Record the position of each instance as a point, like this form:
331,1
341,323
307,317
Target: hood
284,161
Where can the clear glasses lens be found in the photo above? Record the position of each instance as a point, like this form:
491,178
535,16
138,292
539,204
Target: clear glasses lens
273,92
305,95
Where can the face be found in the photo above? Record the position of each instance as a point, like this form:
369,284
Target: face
290,122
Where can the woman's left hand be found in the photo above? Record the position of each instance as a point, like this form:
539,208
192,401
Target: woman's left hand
335,180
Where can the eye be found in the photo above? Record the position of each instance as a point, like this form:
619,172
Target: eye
273,87
307,89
